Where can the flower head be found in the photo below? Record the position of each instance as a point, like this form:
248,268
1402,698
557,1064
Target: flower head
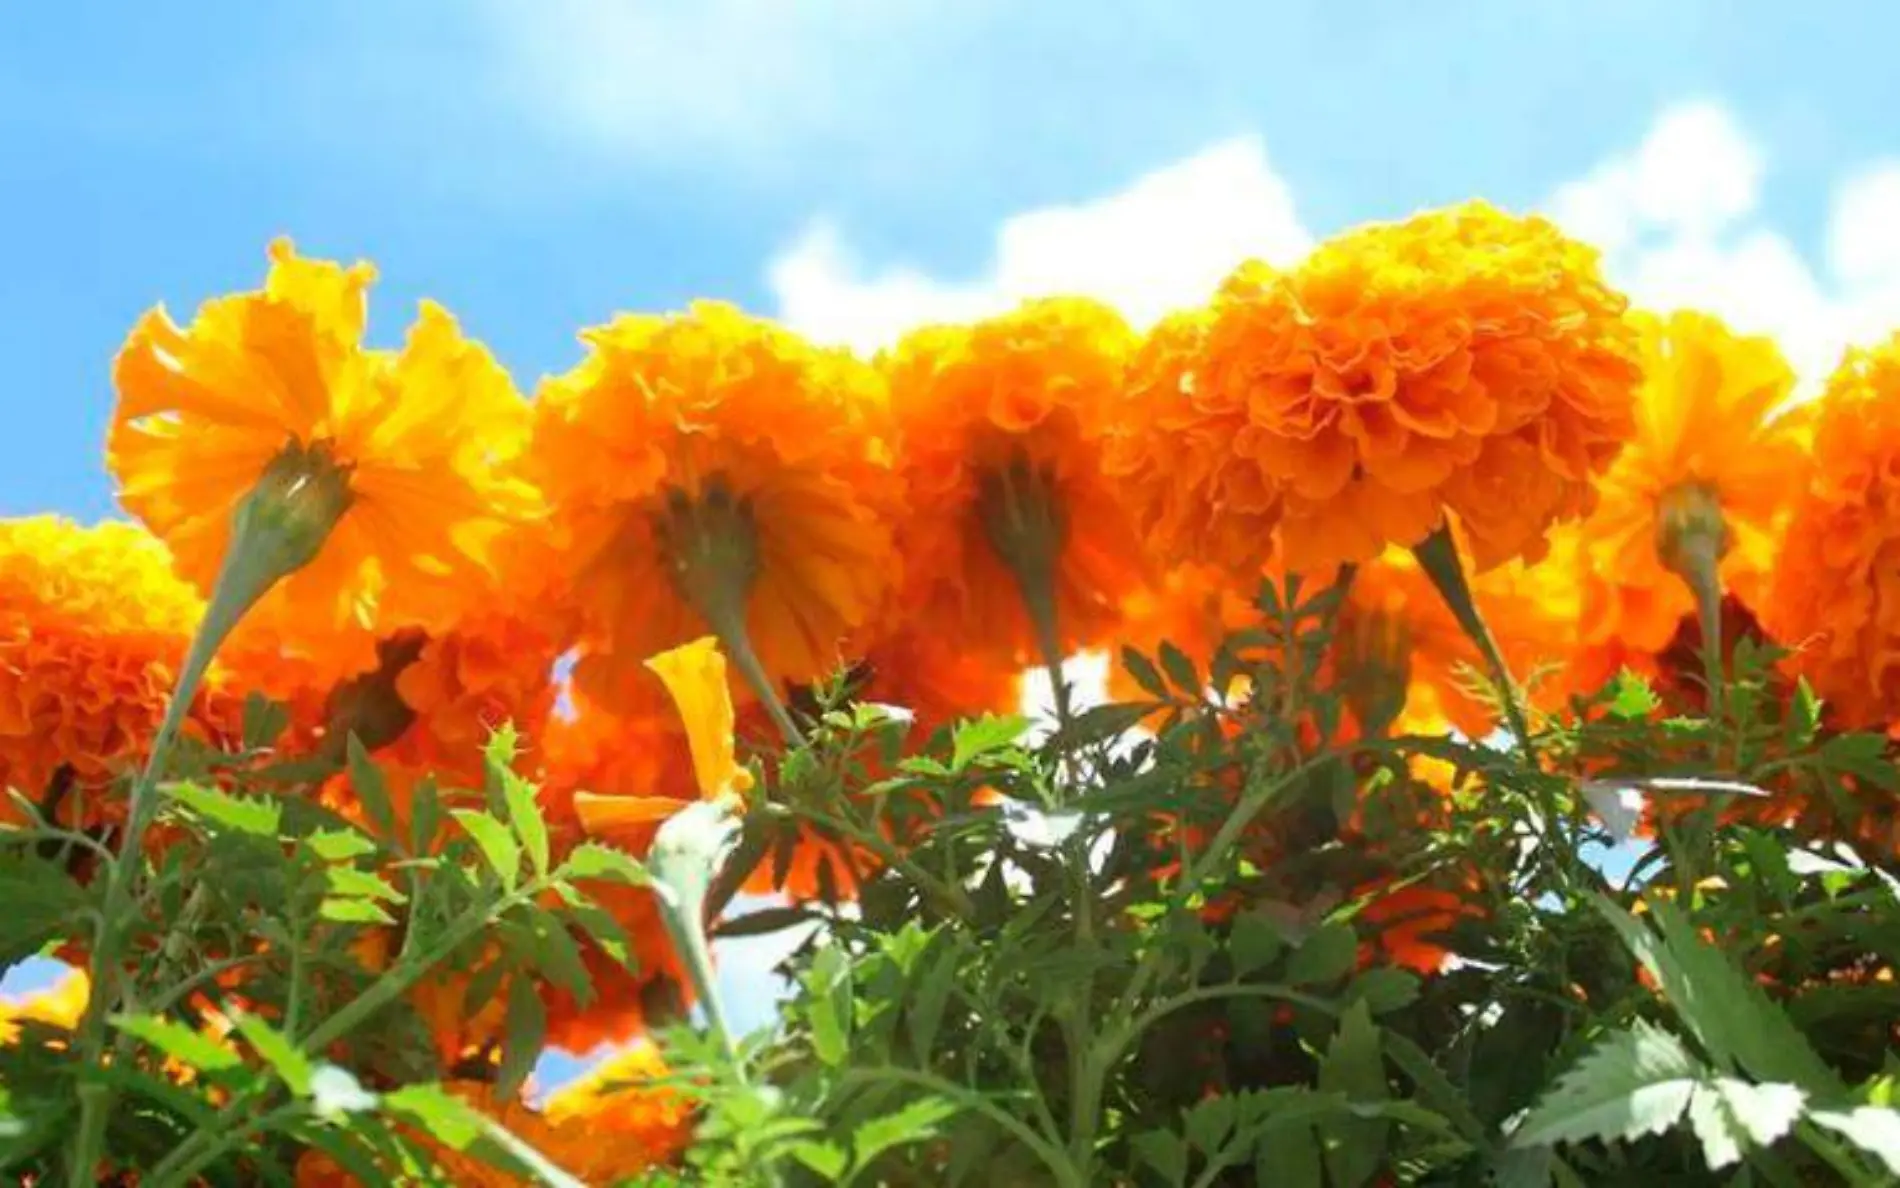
1002,433
937,679
1463,363
93,628
1834,598
1710,471
645,1125
713,471
388,463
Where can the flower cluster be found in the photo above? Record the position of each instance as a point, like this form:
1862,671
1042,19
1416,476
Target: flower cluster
1453,419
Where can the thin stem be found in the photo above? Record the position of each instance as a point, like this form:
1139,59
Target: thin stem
1053,1158
1438,556
193,1156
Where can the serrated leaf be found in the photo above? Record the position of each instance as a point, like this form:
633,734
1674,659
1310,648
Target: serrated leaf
592,860
1873,1129
1180,669
1142,671
349,882
1730,1117
278,1052
929,994
1634,1083
1165,1152
1210,1122
264,721
1804,714
498,845
42,901
258,818
978,737
372,792
915,1122
826,1158
1385,989
425,815
1733,1019
338,845
1254,943
1630,696
446,1118
354,911
1354,1067
1325,956
524,814
190,1048
524,1035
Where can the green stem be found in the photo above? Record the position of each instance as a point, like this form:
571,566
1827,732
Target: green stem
1438,556
1061,1171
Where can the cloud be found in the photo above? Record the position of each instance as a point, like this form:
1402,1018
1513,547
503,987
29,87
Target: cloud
1680,222
1163,242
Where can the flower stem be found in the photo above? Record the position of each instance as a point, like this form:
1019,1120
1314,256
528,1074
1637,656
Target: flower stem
1438,556
1022,517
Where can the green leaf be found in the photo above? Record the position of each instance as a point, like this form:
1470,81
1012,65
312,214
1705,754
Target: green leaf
980,737
764,922
338,845
42,900
1166,1152
1254,943
1100,723
1385,989
1804,714
498,845
446,1118
264,721
258,818
190,1048
1873,1129
372,792
278,1052
1635,1083
349,882
825,1158
1353,1066
914,1123
525,1034
929,994
354,911
1733,1019
524,813
592,860
1142,671
1210,1123
1730,1117
1326,956
1180,670
1631,697
425,815
828,1007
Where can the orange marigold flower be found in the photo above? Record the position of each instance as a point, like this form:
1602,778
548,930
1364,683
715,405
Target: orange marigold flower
1408,926
1463,363
1712,469
712,466
1002,432
488,671
937,679
617,1104
93,629
1833,597
407,445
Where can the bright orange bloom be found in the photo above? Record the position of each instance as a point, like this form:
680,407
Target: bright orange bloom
93,629
1462,363
938,680
1408,926
1708,441
1002,431
489,671
58,1006
1834,597
281,376
1193,607
713,456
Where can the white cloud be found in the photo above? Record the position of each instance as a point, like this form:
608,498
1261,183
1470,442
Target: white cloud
1681,224
1163,242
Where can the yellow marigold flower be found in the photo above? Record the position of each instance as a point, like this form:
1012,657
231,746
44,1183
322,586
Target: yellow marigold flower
1708,478
93,628
1002,432
1833,598
1463,363
711,470
402,449
58,1006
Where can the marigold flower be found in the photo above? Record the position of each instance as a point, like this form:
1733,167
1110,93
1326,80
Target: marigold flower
93,628
644,1125
1708,442
713,471
488,671
1002,434
397,454
1194,607
1833,598
937,679
1463,363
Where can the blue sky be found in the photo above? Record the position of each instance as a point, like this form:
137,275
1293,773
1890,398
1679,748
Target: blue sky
538,166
